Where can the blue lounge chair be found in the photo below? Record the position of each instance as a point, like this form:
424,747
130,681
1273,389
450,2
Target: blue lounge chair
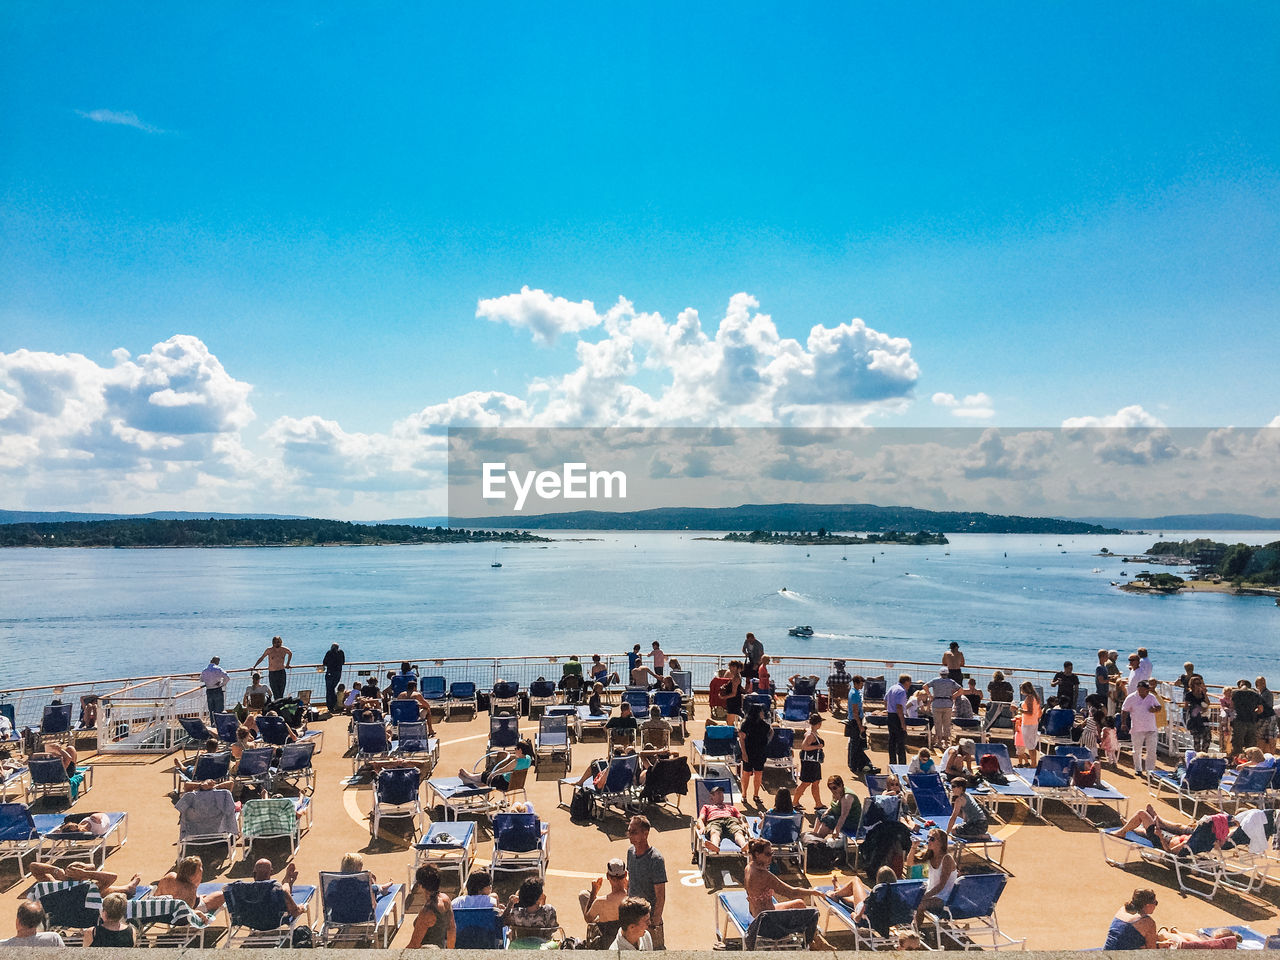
198,734
226,724
1200,782
702,787
542,694
55,723
795,712
1058,724
1016,790
553,740
15,782
18,834
504,732
933,805
404,711
762,700
786,832
207,817
400,683
207,766
294,766
780,753
56,844
349,913
372,743
395,794
805,687
1232,869
456,796
769,930
639,700
434,689
1247,785
478,928
462,696
719,745
970,913
519,844
254,768
505,696
257,912
49,779
889,913
413,742
1053,781
1100,793
621,786
449,846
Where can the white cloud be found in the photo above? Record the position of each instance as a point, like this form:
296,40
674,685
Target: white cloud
119,118
544,316
976,406
1131,435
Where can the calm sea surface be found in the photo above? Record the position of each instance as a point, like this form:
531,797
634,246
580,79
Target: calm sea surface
81,614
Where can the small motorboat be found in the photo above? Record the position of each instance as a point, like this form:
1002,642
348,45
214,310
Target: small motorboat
495,564
801,631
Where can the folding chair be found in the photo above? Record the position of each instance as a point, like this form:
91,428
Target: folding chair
1058,724
207,817
769,930
449,846
1100,793
400,683
639,700
55,723
621,786
970,912
670,704
372,743
404,711
805,687
1200,782
1247,785
15,782
254,768
889,913
519,844
462,696
795,713
49,779
780,754
762,700
350,915
414,742
667,777
1015,789
433,689
1053,781
226,724
504,732
542,694
719,745
395,794
553,740
70,907
294,766
198,734
786,832
478,928
256,912
271,819
933,805
505,696
207,766
18,834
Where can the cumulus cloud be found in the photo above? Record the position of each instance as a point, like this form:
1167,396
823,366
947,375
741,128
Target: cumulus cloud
1131,435
976,406
119,118
544,316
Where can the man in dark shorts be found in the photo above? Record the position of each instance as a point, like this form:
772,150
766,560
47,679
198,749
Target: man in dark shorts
279,658
953,660
753,651
1067,684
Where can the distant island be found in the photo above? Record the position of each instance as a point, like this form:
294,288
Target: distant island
790,516
823,539
143,533
1236,568
1189,521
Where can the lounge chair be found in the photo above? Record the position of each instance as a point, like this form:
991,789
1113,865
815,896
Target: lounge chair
970,913
1234,868
404,711
198,734
702,787
435,690
49,779
396,794
1053,781
621,786
639,700
372,743
226,724
1058,724
1100,793
505,696
55,723
18,834
553,740
74,906
890,913
762,700
275,731
400,683
805,687
257,914
56,844
207,766
668,777
294,766
1016,790
1247,785
718,745
585,721
933,805
520,843
770,930
15,782
349,914
272,819
542,694
414,743
207,817
780,754
1200,782
478,928
448,846
254,768
795,712
504,732
462,696
14,739
786,832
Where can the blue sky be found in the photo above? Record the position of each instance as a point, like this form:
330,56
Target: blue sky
1069,210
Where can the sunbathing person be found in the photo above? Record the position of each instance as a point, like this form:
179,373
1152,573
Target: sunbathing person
844,806
1221,938
854,893
64,752
73,872
595,703
941,870
95,824
501,769
600,674
598,770
957,760
965,808
183,883
763,888
1210,831
353,863
718,818
1132,927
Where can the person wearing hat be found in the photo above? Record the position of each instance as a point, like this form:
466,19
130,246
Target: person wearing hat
1142,706
602,912
942,689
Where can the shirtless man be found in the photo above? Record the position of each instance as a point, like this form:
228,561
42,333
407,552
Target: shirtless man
953,660
279,658
603,911
183,883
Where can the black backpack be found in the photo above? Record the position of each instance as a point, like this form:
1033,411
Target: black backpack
580,805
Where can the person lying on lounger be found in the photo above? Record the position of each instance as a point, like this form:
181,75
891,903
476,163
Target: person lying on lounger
499,773
105,879
1209,832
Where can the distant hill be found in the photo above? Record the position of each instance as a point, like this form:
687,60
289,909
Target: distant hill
789,516
1189,521
64,516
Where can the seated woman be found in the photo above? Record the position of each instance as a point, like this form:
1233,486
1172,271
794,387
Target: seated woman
922,762
957,760
1209,832
940,869
502,767
354,863
528,913
111,930
855,894
844,807
1132,927
600,673
892,785
1254,757
763,888
244,739
966,809
595,703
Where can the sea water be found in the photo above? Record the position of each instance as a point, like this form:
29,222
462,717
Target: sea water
1016,600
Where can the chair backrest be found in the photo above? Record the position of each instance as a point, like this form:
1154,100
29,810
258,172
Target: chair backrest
553,730
1082,754
47,771
504,731
542,689
16,823
880,808
271,816
226,724
347,897
206,813
1205,773
432,688
478,928
876,783
893,904
257,701
998,750
273,730
639,700
56,719
781,744
762,700
624,772
516,832
1059,722
400,683
874,690
7,711
1054,772
804,687
683,679
776,929
668,701
506,690
702,787
212,766
1252,780
976,895
296,756
66,907
462,690
257,904
372,738
255,761
719,740
782,828
796,708
194,727
412,737
405,711
930,794
398,784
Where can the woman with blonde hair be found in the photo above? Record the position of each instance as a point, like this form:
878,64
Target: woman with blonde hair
1028,733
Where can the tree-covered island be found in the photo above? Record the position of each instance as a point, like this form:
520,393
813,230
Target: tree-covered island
822,538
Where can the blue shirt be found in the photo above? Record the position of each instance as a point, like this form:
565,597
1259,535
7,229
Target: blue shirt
855,702
895,698
633,659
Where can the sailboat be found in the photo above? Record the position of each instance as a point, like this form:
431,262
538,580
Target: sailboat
496,562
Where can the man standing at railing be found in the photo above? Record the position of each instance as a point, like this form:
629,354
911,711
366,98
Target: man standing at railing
333,662
279,658
215,682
